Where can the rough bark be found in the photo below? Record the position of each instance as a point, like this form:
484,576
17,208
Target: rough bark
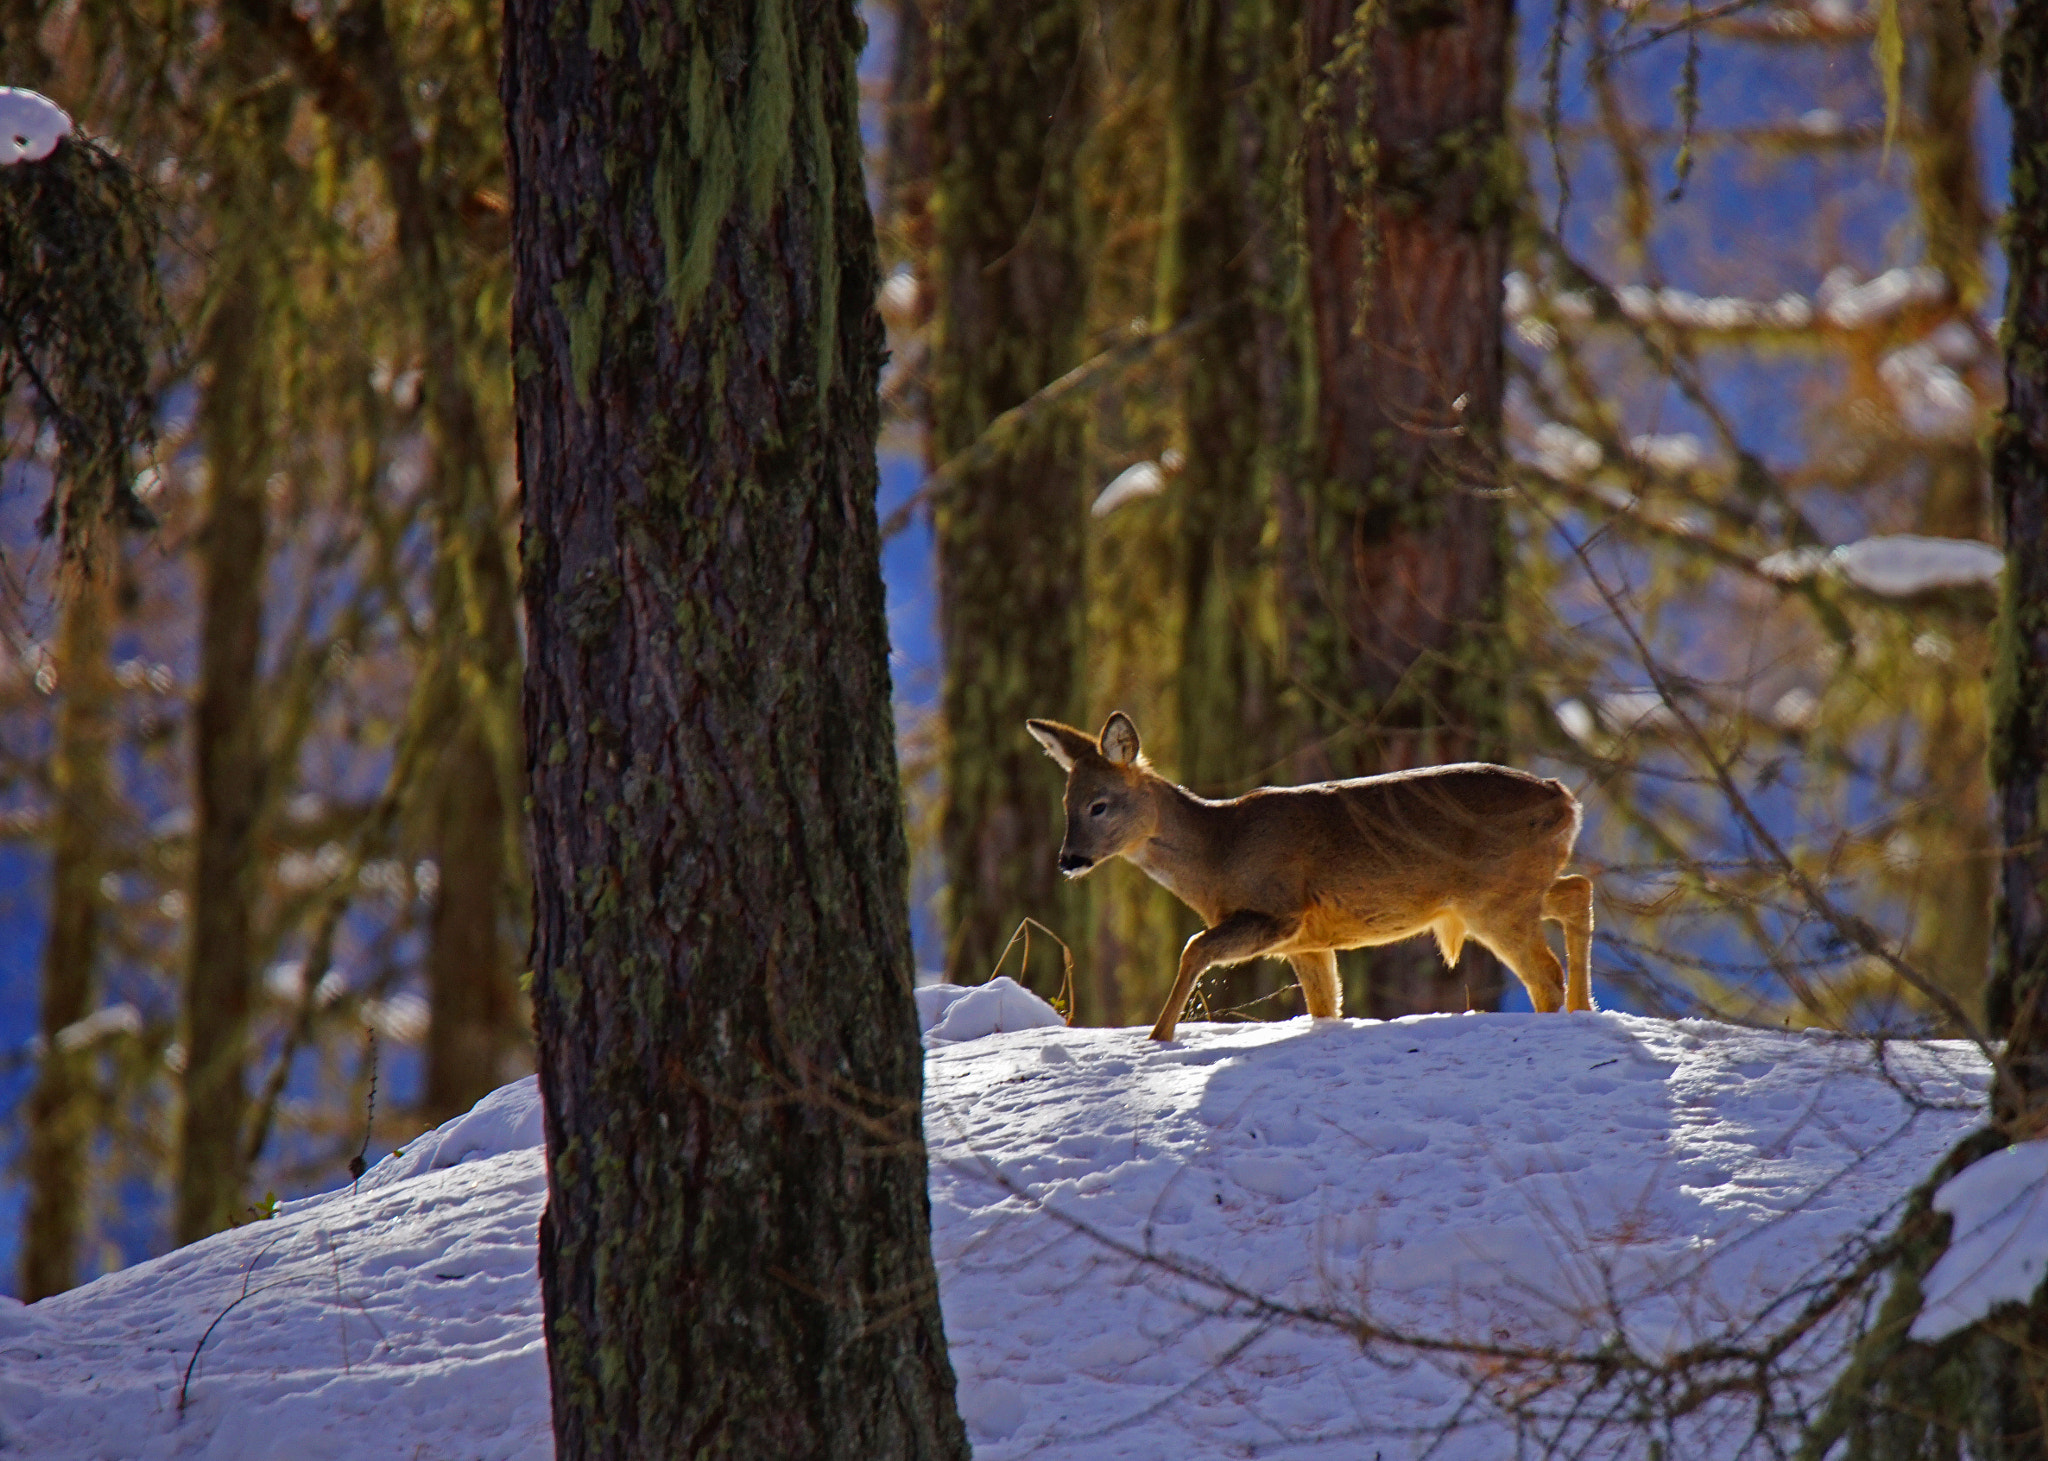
2018,1000
1983,1391
1009,105
1391,561
735,1257
229,771
60,1106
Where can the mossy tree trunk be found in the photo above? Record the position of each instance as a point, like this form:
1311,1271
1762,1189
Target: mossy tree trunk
229,767
1982,1391
1010,105
476,1028
1951,824
1204,269
230,778
61,1104
735,1257
1392,556
1221,239
2018,1001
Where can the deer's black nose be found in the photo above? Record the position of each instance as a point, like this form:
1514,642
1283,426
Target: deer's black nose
1074,863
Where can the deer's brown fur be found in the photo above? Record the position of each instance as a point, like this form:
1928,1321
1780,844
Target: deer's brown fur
1298,872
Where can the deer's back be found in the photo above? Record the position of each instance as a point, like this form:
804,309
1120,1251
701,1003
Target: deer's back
1406,843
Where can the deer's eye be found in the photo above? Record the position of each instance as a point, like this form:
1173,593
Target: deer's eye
1098,809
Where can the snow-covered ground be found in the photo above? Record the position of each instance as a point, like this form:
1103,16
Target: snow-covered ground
1106,1211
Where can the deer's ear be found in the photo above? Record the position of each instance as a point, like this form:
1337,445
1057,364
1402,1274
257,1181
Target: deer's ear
1120,740
1062,742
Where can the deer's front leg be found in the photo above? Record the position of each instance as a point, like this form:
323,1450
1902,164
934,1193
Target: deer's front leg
1243,935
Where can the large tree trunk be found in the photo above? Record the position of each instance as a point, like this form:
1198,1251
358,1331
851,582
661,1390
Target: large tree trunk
1011,272
229,767
735,1257
1392,562
60,1107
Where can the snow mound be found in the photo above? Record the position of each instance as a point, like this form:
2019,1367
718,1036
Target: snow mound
1106,1209
395,1320
1102,1207
31,126
507,1120
1998,1243
948,1013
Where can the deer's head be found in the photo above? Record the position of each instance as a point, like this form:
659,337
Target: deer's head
1109,810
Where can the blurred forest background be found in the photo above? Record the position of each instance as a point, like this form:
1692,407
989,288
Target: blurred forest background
1610,397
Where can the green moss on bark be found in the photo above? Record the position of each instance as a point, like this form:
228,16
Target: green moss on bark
1393,565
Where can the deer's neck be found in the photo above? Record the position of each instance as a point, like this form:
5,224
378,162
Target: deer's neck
1180,853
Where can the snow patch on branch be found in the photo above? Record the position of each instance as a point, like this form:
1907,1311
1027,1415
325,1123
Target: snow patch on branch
1146,479
31,126
1848,305
1894,565
1933,400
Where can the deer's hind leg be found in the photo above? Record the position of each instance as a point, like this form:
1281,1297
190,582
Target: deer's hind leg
1518,939
1570,903
1316,973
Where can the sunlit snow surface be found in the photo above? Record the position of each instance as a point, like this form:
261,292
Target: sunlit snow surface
1503,1177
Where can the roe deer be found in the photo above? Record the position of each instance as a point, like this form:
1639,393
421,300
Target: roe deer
1298,872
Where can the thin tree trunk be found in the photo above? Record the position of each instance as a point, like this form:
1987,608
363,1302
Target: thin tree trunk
230,772
1391,561
1952,824
1009,107
360,82
907,178
735,1258
60,1107
474,1023
1947,180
